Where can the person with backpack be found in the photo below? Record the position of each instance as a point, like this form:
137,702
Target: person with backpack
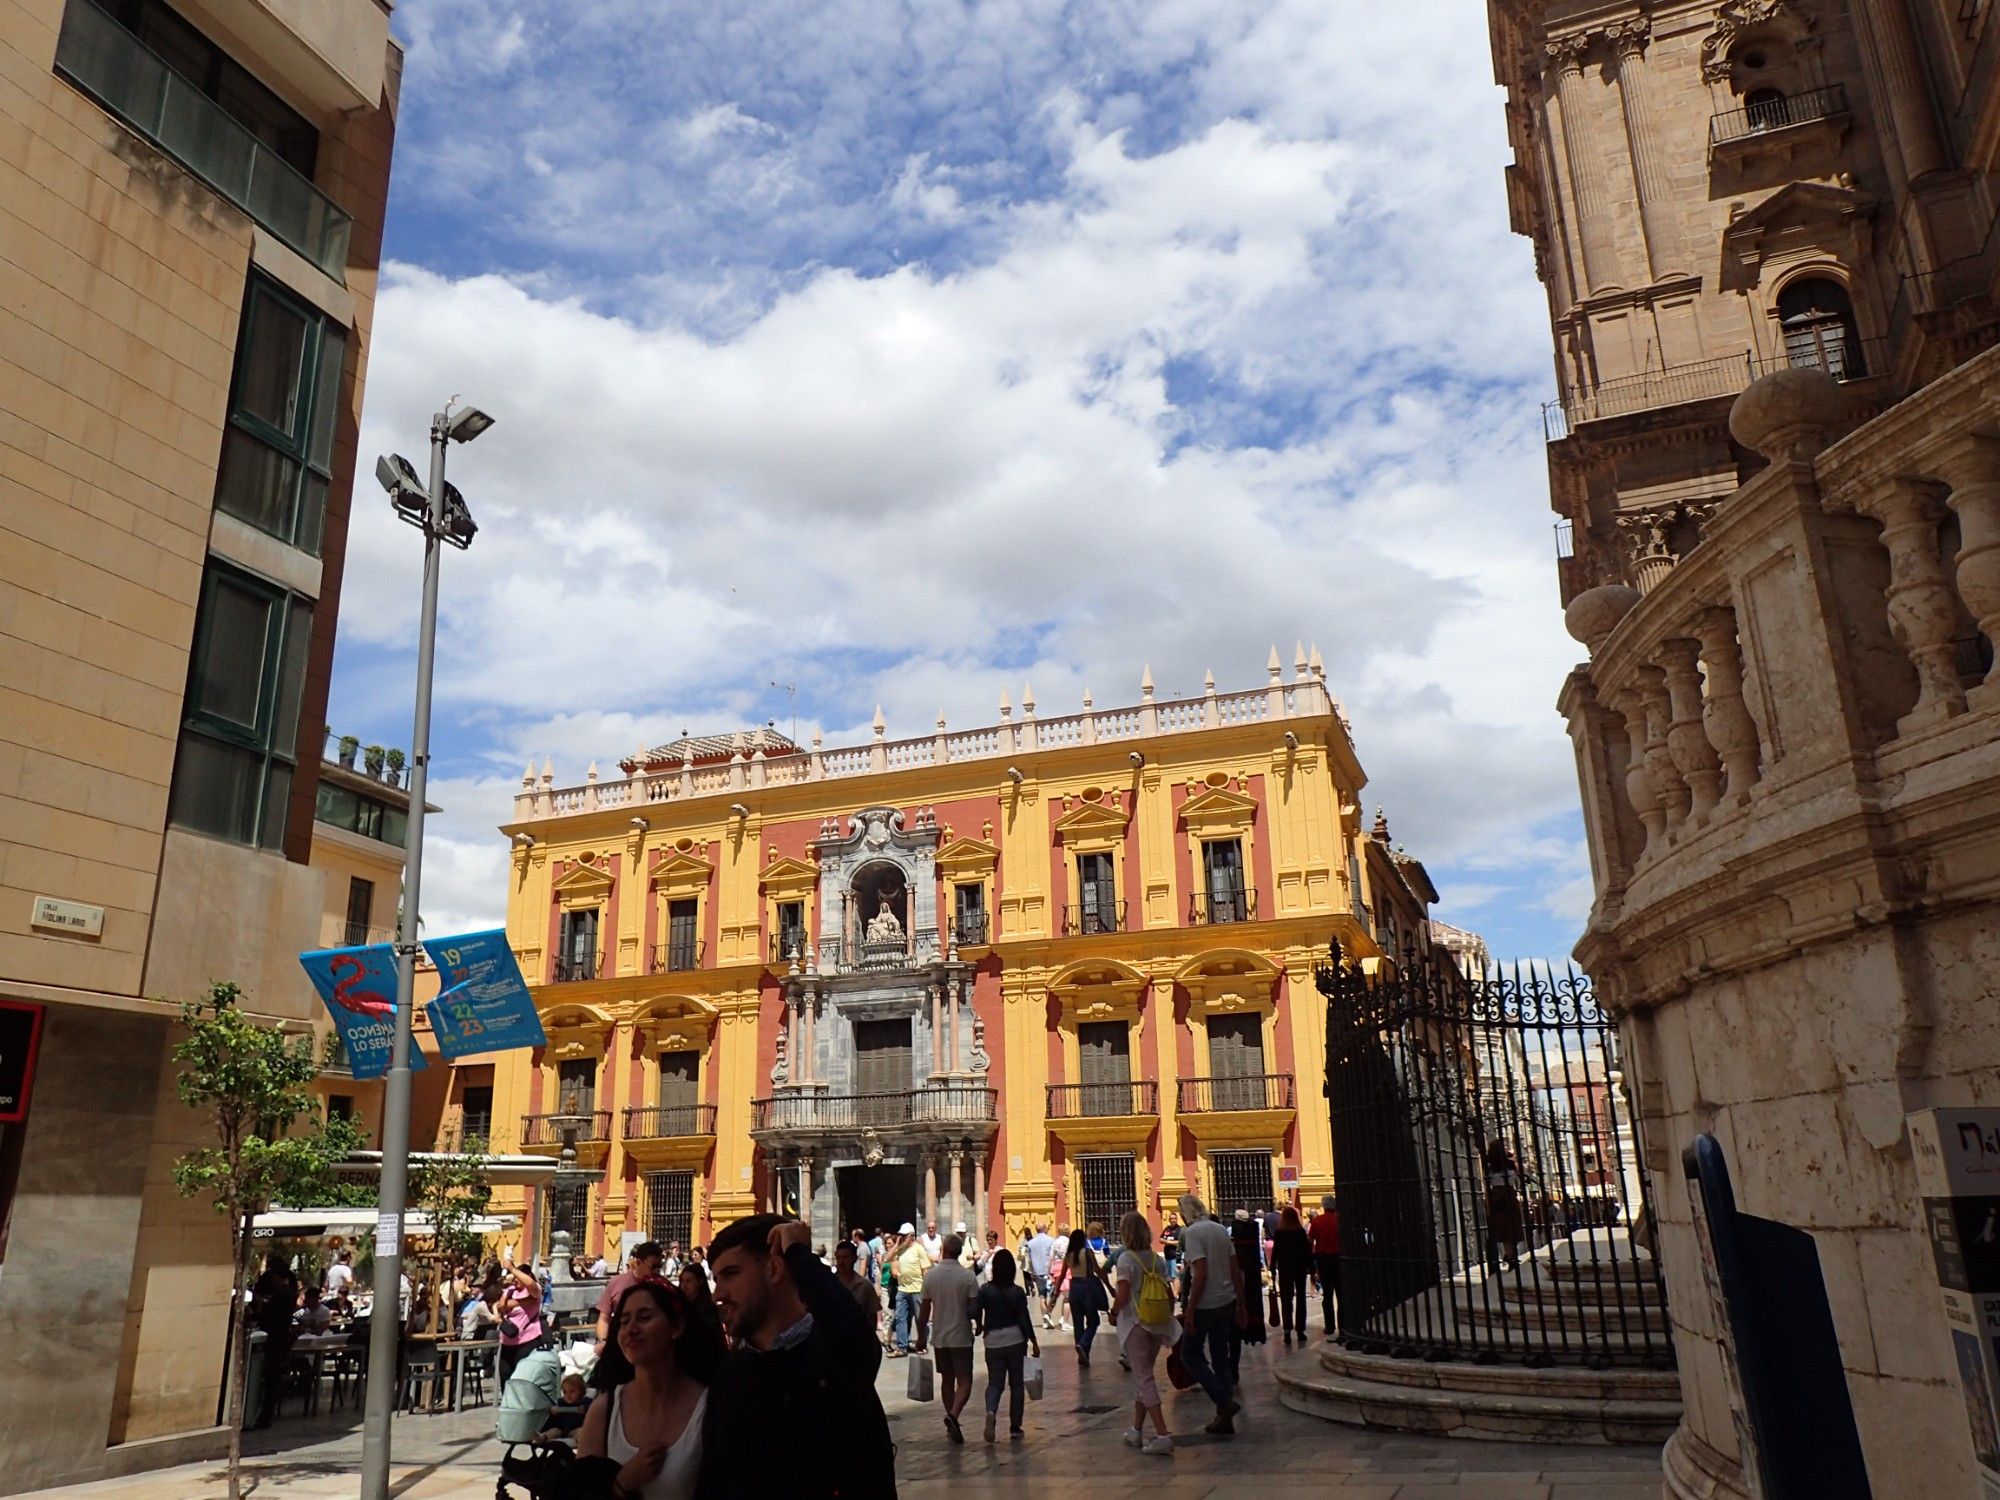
1143,1315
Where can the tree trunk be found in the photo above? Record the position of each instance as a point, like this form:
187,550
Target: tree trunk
239,1353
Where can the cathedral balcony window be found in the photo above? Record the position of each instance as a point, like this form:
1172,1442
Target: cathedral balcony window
1769,118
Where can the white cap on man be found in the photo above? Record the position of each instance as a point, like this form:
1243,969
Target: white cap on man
908,1228
959,1227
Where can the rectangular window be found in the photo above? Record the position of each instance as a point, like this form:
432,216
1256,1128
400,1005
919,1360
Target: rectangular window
576,1089
240,729
340,1106
680,1093
478,1110
1236,1061
969,909
566,1208
341,807
670,1207
1104,1054
882,1072
1097,892
576,945
277,452
1222,869
683,928
360,909
791,930
1242,1180
1110,1184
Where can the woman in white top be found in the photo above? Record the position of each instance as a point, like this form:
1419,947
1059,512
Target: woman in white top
1142,1342
653,1384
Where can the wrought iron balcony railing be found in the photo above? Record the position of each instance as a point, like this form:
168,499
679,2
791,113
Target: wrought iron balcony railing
134,83
787,943
1766,115
808,1111
1202,1096
541,1130
972,928
1088,1101
655,1122
1209,908
678,957
1093,917
571,967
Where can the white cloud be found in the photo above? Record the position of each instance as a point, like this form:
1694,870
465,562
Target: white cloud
1266,375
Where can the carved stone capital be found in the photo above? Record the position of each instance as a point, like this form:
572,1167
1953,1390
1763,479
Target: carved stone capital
1629,38
1566,53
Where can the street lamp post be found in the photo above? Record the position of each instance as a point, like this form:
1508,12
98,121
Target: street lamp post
440,511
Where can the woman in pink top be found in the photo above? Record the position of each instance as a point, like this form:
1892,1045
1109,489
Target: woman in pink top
520,1319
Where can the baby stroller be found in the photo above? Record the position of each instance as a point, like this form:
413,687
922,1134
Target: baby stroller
541,1467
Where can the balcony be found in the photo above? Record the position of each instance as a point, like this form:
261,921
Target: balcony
669,1135
973,929
807,1112
1092,918
787,944
473,1135
1210,910
572,968
1097,1116
1775,121
1217,1095
677,957
127,78
539,1132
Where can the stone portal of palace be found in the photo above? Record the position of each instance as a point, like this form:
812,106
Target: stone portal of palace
881,1062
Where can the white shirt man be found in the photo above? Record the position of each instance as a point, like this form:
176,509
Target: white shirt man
339,1276
932,1241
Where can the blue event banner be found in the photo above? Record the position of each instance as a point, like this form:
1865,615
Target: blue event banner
359,988
484,1005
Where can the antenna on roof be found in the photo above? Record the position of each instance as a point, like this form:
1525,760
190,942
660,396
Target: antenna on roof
792,688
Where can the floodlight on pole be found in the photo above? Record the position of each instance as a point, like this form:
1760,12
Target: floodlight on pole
441,513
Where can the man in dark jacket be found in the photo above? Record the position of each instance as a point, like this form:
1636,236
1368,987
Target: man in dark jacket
792,1413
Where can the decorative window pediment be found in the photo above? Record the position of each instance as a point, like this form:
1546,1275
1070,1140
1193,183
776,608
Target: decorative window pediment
583,884
1092,824
1229,981
967,859
1099,990
675,1023
681,875
1218,811
788,878
576,1031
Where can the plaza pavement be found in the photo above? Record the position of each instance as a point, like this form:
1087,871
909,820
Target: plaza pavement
1072,1451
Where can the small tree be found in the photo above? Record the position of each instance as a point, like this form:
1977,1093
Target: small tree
250,1081
453,1191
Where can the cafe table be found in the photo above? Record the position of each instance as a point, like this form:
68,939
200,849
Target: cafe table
461,1350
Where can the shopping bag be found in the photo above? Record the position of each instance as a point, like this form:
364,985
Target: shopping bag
1177,1370
1031,1376
1274,1314
922,1372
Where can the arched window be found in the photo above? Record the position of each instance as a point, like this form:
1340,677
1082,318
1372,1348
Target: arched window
1818,322
1765,109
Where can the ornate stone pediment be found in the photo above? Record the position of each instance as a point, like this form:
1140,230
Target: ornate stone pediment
1737,19
681,874
675,1023
1218,809
1090,822
576,1031
1801,221
1230,981
1098,989
964,859
583,884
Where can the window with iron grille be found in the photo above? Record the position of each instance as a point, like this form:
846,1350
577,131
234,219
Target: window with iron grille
1110,1185
670,1207
1242,1180
566,1208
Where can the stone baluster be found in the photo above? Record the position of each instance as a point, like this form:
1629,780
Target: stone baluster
1973,471
1149,711
1639,788
1673,792
1687,742
1723,711
1923,611
940,752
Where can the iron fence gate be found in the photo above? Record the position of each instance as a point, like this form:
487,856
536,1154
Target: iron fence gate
1242,1180
1110,1186
670,1207
1492,1201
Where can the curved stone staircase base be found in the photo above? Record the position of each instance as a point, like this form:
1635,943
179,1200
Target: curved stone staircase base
1494,1403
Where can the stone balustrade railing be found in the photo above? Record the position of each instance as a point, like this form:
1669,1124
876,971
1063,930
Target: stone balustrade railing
1305,696
1836,618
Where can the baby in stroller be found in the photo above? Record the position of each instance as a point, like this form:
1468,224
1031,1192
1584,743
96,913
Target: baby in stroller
542,1406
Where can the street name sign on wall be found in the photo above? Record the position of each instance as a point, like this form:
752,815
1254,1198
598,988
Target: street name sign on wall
1957,1158
485,1005
358,986
20,1039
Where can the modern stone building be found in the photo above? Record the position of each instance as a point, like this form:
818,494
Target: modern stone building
1785,733
1047,969
191,202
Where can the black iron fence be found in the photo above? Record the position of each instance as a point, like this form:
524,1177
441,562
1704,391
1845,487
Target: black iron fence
654,1122
543,1130
1492,1201
1092,917
678,955
1252,1091
1209,907
1089,1101
1775,111
571,967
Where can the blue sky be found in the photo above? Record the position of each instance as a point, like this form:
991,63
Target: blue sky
913,353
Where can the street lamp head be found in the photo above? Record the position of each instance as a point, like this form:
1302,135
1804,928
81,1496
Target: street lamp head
467,425
459,527
398,476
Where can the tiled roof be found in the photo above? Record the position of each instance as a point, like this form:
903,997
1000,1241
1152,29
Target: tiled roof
698,748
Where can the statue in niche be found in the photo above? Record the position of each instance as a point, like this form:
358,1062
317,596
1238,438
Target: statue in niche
780,1071
884,927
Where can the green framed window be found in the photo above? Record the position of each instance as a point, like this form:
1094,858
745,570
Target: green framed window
277,449
240,724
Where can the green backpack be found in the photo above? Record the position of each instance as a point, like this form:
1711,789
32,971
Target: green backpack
1155,1304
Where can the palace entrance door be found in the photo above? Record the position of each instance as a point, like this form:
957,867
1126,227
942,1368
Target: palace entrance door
873,1198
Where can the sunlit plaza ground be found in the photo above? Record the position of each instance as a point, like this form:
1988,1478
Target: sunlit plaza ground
1072,1447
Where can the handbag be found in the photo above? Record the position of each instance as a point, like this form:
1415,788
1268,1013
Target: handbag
1031,1376
1177,1370
1275,1315
922,1371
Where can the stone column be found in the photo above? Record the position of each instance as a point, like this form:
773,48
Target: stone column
979,1196
1642,139
1887,24
930,1185
1723,712
1923,611
808,1003
1973,470
937,1029
1586,165
1687,743
956,1157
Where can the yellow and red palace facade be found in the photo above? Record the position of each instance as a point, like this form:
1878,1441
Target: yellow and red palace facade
1047,969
